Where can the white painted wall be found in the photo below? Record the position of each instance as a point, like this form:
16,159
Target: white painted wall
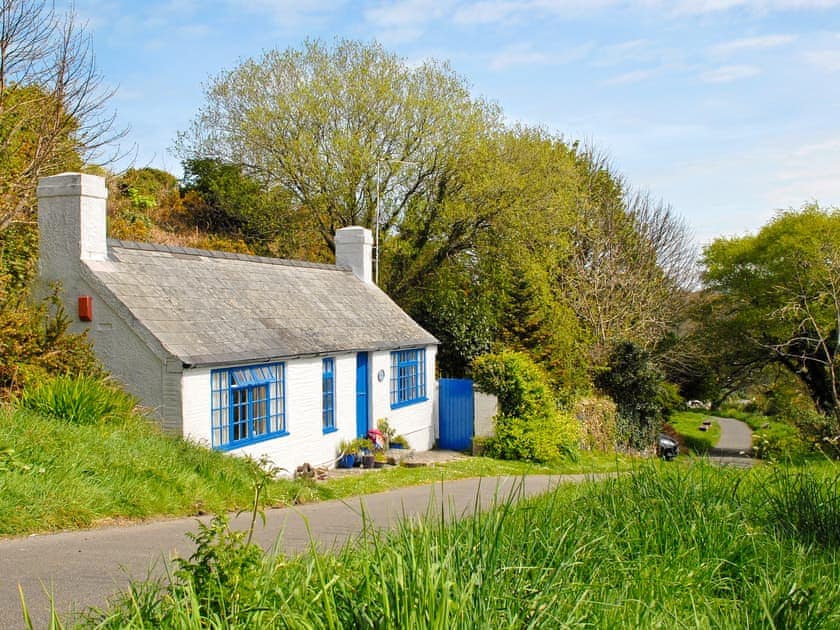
306,441
415,422
71,218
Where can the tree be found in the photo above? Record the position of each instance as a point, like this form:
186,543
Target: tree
631,263
780,297
52,103
339,129
639,392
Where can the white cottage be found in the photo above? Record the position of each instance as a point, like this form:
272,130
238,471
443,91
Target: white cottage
246,354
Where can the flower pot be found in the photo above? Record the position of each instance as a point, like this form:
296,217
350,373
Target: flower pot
367,461
348,460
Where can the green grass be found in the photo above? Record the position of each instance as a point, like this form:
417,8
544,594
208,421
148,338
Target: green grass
390,478
63,476
686,423
773,439
58,475
666,547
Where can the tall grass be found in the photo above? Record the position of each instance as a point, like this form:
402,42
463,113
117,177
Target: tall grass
79,400
662,548
57,474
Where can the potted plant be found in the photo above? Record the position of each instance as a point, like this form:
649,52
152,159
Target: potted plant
399,441
386,430
346,454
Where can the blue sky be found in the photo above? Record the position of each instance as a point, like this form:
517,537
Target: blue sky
726,109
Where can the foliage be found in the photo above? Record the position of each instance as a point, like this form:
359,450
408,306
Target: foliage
79,400
336,126
694,544
780,293
599,423
34,342
53,114
486,234
639,392
529,425
224,570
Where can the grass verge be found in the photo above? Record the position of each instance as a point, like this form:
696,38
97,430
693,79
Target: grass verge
687,424
666,547
58,475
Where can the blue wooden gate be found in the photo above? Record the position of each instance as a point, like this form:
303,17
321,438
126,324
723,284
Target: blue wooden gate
455,413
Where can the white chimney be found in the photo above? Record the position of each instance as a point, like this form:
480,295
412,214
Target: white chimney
353,248
71,219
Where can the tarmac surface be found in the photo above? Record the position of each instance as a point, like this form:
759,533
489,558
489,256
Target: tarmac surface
734,448
81,569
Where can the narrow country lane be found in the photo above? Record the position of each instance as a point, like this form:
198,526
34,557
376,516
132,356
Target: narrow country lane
82,568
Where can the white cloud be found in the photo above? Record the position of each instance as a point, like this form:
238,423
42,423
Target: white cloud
635,76
408,13
828,60
728,74
808,172
289,12
752,43
700,7
525,54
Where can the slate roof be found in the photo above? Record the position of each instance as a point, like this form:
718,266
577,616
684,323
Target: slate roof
210,308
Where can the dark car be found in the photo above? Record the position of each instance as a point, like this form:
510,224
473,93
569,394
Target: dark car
666,447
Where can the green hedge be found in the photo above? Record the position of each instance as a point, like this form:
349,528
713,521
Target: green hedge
529,426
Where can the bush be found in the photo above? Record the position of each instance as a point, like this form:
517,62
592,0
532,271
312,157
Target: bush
79,400
528,426
598,421
640,392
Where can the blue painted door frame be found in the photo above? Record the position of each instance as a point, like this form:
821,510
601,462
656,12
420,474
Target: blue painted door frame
362,388
456,413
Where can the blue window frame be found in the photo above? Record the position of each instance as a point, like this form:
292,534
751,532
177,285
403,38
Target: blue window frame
328,389
408,377
247,404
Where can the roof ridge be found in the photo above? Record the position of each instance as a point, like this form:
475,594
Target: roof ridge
210,253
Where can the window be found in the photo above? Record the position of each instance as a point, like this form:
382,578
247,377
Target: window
248,404
328,389
408,377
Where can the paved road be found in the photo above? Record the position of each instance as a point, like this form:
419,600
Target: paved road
735,443
82,568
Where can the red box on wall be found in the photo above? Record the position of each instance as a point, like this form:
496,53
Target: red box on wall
86,308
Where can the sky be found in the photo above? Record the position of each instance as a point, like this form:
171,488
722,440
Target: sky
727,110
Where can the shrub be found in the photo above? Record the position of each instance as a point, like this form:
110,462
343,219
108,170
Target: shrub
35,342
528,426
79,400
640,392
598,421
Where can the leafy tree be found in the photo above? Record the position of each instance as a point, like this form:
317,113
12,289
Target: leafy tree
779,292
339,128
639,391
487,233
52,105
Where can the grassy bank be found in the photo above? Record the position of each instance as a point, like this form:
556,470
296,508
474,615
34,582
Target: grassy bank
667,547
56,474
687,424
